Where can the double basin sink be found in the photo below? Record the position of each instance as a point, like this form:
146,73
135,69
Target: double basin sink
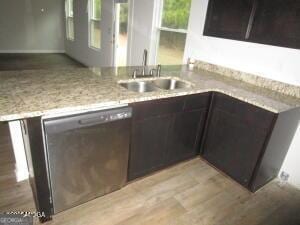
142,86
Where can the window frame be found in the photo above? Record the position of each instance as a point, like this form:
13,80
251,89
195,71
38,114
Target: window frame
160,28
69,17
92,20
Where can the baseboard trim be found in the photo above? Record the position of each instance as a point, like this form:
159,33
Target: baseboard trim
76,59
30,51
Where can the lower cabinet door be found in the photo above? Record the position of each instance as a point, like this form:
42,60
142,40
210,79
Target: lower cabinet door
184,136
233,145
148,145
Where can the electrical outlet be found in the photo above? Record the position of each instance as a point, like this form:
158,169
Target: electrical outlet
284,176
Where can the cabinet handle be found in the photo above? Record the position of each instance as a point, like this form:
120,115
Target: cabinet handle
251,19
24,127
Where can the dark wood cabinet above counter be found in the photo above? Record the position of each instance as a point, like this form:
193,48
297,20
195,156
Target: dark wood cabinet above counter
277,22
228,18
272,22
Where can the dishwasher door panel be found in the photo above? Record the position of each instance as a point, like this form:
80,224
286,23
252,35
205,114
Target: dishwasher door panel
88,162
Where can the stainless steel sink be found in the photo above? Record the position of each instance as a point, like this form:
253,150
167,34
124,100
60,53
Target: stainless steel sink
139,86
170,84
154,85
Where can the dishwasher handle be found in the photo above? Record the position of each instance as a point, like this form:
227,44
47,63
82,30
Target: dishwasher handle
104,118
57,125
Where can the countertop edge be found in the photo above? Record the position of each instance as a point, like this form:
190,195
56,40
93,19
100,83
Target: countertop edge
99,106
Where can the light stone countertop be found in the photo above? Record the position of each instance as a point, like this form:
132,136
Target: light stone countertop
31,93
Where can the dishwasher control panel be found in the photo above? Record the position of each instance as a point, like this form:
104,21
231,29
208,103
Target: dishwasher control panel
87,119
109,116
119,116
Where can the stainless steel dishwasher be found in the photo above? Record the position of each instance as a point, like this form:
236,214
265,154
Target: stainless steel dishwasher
87,155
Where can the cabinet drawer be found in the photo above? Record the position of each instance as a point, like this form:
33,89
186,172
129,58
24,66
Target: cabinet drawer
249,113
197,101
144,110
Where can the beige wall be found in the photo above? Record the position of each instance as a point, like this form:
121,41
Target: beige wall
32,26
79,48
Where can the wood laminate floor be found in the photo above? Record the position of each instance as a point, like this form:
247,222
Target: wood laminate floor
36,61
189,193
13,195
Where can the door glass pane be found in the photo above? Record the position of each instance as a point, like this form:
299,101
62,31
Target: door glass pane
71,8
70,28
121,33
171,48
95,34
97,9
176,14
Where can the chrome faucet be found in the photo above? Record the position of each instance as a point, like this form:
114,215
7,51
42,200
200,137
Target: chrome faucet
156,70
144,64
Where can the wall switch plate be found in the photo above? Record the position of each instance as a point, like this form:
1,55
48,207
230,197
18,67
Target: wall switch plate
284,176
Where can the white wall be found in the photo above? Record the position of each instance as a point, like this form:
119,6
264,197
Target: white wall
79,48
31,26
292,160
272,62
277,63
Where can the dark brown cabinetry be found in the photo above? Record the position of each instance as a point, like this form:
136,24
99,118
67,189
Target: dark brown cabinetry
237,141
277,22
244,141
38,175
165,132
235,137
274,22
228,18
148,145
187,129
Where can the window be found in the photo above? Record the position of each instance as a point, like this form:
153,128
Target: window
121,33
172,31
69,19
94,24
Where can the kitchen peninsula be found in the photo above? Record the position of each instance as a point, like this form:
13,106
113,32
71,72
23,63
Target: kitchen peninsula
242,129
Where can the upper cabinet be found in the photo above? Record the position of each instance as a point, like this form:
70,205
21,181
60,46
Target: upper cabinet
273,22
277,22
228,18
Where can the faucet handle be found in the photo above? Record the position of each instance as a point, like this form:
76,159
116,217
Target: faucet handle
151,71
145,57
134,73
158,70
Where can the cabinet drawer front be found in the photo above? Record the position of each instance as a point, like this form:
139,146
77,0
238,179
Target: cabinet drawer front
249,113
144,110
197,101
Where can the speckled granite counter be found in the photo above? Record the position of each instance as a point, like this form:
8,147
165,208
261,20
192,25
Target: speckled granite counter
31,93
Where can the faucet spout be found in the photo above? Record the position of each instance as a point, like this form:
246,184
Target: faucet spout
145,57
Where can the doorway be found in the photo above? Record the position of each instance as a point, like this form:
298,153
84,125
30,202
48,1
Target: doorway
121,32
